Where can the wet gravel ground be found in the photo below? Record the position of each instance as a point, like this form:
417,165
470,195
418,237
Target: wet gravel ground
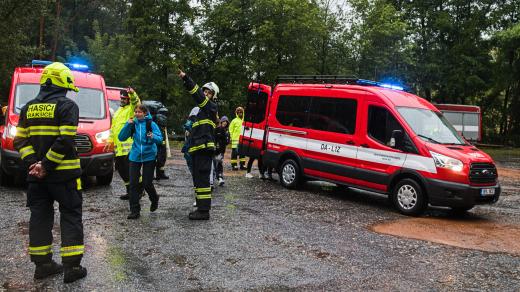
260,237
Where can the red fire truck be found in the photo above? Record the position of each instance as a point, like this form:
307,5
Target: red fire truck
466,119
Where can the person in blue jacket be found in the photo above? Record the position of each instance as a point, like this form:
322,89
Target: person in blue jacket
146,135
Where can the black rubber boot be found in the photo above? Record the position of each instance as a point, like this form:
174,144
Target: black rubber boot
44,270
74,273
199,215
133,216
154,205
126,196
161,175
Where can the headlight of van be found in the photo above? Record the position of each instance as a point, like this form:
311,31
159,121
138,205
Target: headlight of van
102,137
447,162
10,132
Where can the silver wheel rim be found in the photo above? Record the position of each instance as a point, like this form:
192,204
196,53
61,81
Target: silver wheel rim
289,173
407,197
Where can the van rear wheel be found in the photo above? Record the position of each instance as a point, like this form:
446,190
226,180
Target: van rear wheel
409,198
290,174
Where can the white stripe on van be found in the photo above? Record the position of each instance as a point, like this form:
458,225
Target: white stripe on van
254,133
458,127
410,161
470,128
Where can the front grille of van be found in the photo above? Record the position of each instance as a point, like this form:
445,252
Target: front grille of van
483,173
82,143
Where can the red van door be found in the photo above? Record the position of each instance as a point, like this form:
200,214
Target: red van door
378,159
331,136
251,141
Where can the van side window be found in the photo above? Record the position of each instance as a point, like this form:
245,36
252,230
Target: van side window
293,110
256,106
333,114
381,123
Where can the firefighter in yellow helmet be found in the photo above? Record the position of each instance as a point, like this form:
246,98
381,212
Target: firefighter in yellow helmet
45,141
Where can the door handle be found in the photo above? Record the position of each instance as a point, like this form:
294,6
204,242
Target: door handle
350,142
364,145
246,128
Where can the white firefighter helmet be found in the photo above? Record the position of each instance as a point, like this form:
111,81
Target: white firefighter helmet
213,87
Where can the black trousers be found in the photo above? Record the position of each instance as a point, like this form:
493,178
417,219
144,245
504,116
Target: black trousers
40,200
202,161
236,157
123,168
161,159
260,164
218,160
147,183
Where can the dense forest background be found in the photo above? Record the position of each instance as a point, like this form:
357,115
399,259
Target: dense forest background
447,51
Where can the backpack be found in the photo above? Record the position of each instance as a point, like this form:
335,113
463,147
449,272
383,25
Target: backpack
158,111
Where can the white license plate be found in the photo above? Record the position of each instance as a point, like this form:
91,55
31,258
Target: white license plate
487,192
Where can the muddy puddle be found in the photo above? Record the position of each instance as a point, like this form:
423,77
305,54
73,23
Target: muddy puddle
472,233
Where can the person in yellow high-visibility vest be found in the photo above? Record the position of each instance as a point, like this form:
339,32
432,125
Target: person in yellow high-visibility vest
129,101
235,129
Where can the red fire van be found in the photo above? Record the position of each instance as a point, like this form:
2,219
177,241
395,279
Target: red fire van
93,128
366,135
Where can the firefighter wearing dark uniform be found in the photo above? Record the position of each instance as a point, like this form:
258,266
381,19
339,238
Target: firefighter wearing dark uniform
45,141
161,157
202,143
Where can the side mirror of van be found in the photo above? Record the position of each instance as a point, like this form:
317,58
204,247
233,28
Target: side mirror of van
396,141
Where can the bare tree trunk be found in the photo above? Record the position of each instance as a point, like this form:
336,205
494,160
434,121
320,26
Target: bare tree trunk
40,43
57,30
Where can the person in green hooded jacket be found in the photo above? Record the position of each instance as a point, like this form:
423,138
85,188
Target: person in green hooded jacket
235,129
129,101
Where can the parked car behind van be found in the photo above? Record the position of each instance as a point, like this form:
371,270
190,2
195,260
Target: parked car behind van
365,135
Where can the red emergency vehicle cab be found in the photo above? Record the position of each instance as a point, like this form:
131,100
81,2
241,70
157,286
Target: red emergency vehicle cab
369,136
93,129
466,119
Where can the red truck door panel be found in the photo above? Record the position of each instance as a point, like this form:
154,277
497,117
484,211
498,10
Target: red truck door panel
377,160
251,141
331,140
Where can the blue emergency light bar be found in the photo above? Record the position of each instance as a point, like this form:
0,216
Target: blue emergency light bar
375,83
72,66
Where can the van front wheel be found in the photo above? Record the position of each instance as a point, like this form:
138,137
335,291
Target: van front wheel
105,180
290,175
409,198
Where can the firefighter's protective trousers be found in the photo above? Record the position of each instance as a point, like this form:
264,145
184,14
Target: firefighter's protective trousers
40,200
202,161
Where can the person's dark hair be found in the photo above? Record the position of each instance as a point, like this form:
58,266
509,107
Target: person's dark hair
123,93
143,108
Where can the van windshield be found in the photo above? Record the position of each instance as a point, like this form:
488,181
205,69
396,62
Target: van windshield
91,102
431,126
